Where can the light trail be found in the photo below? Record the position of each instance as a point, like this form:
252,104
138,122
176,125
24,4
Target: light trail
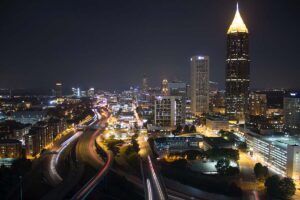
150,197
89,186
161,195
255,194
55,158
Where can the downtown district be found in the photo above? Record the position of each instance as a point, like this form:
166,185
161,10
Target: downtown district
175,141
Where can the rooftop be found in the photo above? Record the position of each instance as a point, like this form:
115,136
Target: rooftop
237,24
280,140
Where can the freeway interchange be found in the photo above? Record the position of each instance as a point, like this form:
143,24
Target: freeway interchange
77,165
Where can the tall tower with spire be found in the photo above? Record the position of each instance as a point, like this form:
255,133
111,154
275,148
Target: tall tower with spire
237,78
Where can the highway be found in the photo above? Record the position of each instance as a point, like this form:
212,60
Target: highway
52,160
54,178
156,181
89,186
86,153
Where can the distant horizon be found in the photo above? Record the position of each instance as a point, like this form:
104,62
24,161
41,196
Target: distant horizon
101,44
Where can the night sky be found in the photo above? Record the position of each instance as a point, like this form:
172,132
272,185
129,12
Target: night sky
111,44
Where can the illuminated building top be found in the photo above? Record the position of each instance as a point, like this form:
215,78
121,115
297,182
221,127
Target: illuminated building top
237,24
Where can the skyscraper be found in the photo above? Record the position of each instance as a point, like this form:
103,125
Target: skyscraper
237,78
199,84
58,90
291,107
145,84
168,111
165,87
257,104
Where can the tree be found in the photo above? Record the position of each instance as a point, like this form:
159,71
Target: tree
186,129
221,132
178,128
287,188
232,171
135,145
193,129
271,185
260,171
193,154
222,166
217,153
243,146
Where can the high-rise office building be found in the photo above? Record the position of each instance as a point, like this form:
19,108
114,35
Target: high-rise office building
291,109
237,78
58,90
165,87
199,84
145,83
177,88
76,92
168,111
91,92
257,104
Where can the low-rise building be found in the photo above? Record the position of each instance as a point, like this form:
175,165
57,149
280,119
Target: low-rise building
216,123
29,116
216,142
13,130
10,150
177,144
281,153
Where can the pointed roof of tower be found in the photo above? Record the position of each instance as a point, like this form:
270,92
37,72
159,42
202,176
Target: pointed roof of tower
237,24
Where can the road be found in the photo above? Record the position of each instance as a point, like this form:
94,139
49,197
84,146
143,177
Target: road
155,186
89,186
52,160
248,182
86,153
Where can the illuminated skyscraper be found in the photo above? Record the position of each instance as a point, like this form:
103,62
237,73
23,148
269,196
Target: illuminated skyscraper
145,83
237,78
58,90
165,87
199,84
291,107
91,92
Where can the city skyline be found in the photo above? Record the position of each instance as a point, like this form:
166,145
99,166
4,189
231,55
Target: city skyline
38,48
149,100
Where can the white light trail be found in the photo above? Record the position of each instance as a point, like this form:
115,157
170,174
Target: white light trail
150,197
156,180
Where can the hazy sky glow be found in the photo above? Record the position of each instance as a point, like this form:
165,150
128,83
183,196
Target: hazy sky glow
111,44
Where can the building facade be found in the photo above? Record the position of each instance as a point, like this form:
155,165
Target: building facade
168,111
58,90
257,104
199,84
145,83
10,148
291,109
281,153
237,76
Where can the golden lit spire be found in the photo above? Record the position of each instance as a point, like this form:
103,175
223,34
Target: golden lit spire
237,24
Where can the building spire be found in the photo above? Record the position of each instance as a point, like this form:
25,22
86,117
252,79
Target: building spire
237,24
